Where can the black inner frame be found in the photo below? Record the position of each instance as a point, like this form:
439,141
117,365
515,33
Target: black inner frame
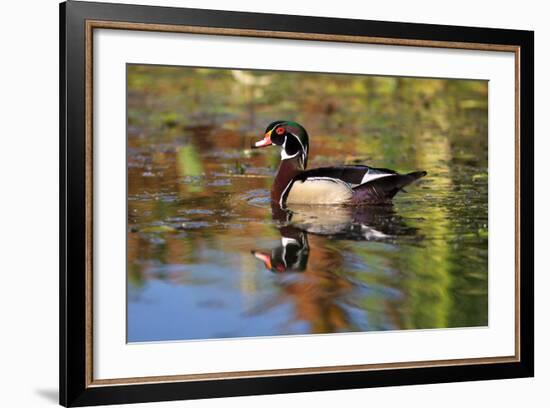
73,390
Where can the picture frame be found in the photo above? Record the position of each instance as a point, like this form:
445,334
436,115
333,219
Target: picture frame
79,21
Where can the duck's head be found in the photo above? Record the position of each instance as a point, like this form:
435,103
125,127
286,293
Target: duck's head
290,136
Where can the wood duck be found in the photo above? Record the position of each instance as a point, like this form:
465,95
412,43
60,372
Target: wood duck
350,184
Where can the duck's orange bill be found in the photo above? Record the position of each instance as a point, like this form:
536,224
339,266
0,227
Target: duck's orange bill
266,141
266,259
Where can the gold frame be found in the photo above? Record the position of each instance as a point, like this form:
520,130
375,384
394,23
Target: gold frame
99,24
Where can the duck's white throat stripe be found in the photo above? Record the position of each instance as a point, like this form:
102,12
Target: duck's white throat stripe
286,156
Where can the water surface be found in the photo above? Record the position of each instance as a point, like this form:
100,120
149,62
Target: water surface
209,257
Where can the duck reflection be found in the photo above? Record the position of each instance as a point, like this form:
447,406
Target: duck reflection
291,255
316,273
361,223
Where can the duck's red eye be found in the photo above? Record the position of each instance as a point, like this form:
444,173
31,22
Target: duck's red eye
280,130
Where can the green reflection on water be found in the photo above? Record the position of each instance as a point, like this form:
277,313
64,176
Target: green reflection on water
197,205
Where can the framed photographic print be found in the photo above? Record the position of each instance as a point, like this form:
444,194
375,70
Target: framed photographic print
259,203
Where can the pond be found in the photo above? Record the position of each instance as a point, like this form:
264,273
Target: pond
210,257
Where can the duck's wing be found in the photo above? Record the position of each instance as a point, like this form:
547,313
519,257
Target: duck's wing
353,175
382,189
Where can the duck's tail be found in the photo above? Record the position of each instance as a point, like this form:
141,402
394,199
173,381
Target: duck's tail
383,189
